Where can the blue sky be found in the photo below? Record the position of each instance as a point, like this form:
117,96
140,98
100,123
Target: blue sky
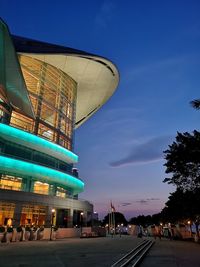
156,47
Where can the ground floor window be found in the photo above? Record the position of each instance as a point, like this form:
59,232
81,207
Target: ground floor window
63,218
78,218
33,215
6,213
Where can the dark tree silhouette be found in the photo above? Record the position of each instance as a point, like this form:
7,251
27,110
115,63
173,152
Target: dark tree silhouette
142,220
119,219
183,161
195,103
182,206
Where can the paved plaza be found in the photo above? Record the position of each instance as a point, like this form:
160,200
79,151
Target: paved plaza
166,253
76,252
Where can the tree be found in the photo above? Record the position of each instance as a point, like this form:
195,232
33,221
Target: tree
182,206
141,220
119,219
195,103
183,161
146,220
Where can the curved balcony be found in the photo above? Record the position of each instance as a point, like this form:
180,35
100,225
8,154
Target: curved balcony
28,170
37,143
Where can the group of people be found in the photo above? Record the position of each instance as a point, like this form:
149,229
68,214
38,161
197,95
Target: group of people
156,232
163,232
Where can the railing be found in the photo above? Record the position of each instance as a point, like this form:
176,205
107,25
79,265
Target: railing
38,163
135,256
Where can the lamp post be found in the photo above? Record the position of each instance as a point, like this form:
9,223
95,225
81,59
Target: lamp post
107,229
81,221
189,223
121,229
52,220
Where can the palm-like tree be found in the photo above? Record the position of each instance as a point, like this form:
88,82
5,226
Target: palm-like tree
195,103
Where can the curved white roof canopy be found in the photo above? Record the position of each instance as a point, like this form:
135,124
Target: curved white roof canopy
97,79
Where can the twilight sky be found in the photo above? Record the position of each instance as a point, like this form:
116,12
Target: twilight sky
156,47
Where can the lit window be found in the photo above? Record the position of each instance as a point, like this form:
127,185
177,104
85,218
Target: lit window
46,132
53,96
6,212
41,188
10,183
33,215
21,122
61,192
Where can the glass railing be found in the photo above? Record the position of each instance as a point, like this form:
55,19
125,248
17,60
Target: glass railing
39,163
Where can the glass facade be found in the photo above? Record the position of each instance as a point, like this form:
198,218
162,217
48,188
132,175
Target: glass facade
16,183
61,192
36,176
53,96
10,182
41,188
6,213
13,150
33,215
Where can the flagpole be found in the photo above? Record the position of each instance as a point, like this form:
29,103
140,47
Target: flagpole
114,221
109,221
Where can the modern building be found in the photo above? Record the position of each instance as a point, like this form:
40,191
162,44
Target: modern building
46,91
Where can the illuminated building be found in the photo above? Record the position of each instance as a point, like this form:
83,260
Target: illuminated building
46,91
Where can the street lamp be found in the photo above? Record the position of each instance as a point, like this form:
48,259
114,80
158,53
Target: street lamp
189,223
107,228
121,229
52,220
81,221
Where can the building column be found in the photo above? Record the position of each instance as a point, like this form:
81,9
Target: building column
29,185
17,214
84,218
50,217
52,190
70,218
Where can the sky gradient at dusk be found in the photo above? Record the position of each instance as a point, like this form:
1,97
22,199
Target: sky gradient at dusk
156,47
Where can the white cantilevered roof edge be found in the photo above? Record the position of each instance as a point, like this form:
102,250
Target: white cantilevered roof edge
97,79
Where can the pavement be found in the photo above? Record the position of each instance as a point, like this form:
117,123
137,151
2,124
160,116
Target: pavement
173,253
96,252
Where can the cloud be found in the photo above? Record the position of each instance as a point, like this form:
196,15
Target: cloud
146,201
125,204
117,117
105,14
142,201
149,151
153,199
154,67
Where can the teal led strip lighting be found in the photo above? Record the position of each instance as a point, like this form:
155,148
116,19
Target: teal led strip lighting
48,147
18,167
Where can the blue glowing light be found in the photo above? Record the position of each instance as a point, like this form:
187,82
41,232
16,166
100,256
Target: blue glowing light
18,167
37,143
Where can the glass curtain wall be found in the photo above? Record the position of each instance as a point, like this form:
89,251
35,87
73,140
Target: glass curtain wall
33,215
6,213
53,96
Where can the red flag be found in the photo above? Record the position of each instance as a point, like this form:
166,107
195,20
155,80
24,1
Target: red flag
112,207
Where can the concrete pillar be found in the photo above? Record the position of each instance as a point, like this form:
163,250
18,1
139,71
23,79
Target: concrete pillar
17,214
70,218
29,185
48,218
52,190
84,218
